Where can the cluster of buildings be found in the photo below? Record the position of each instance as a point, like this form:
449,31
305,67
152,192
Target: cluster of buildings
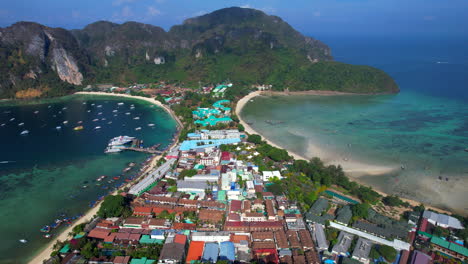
205,116
205,205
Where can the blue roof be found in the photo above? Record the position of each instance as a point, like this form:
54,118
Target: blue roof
211,252
192,144
157,232
227,251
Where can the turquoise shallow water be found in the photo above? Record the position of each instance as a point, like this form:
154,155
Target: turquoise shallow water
424,128
47,169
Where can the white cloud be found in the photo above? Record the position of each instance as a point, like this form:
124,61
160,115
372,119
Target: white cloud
246,6
152,11
268,10
200,13
317,14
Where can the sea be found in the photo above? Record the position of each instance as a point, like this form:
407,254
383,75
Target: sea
421,133
51,172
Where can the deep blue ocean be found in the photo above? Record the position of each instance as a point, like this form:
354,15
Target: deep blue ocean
420,133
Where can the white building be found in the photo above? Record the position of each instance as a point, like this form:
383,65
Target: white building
211,236
233,194
250,187
442,220
267,175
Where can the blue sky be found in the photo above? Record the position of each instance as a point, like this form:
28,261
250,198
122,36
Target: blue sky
311,17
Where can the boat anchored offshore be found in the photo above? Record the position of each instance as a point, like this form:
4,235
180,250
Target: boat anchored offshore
24,132
78,128
120,140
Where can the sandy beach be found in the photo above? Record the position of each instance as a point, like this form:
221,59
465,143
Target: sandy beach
353,168
45,253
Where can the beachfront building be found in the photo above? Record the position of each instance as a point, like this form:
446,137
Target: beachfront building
214,134
207,143
267,175
442,220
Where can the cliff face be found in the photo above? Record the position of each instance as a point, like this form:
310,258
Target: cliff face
33,55
243,45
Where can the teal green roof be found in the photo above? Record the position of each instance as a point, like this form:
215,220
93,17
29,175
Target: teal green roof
424,234
79,235
440,242
146,239
142,261
212,120
459,249
65,249
203,112
449,245
222,195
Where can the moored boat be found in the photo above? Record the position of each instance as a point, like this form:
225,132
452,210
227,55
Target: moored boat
78,128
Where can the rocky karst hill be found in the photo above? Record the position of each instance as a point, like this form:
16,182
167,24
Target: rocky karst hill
246,46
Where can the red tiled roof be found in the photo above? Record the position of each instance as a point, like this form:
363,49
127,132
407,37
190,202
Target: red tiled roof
98,233
238,238
236,205
225,155
142,210
181,239
110,238
122,260
234,217
195,251
184,226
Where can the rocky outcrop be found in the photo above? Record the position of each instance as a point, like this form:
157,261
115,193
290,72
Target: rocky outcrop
66,67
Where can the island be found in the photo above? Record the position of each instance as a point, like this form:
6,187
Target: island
221,194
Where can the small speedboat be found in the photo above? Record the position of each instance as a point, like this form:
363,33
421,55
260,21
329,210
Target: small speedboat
150,125
65,122
36,112
98,127
24,132
21,124
58,127
2,124
79,122
128,113
94,120
13,119
78,128
100,113
48,235
24,241
115,111
136,118
99,106
120,103
88,111
138,128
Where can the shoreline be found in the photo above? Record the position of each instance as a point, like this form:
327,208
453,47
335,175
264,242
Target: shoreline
44,254
350,167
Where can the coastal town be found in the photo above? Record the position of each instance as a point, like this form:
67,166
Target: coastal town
221,194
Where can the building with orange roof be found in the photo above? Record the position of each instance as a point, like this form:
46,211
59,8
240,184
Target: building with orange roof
142,211
195,251
181,239
98,233
184,226
236,239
